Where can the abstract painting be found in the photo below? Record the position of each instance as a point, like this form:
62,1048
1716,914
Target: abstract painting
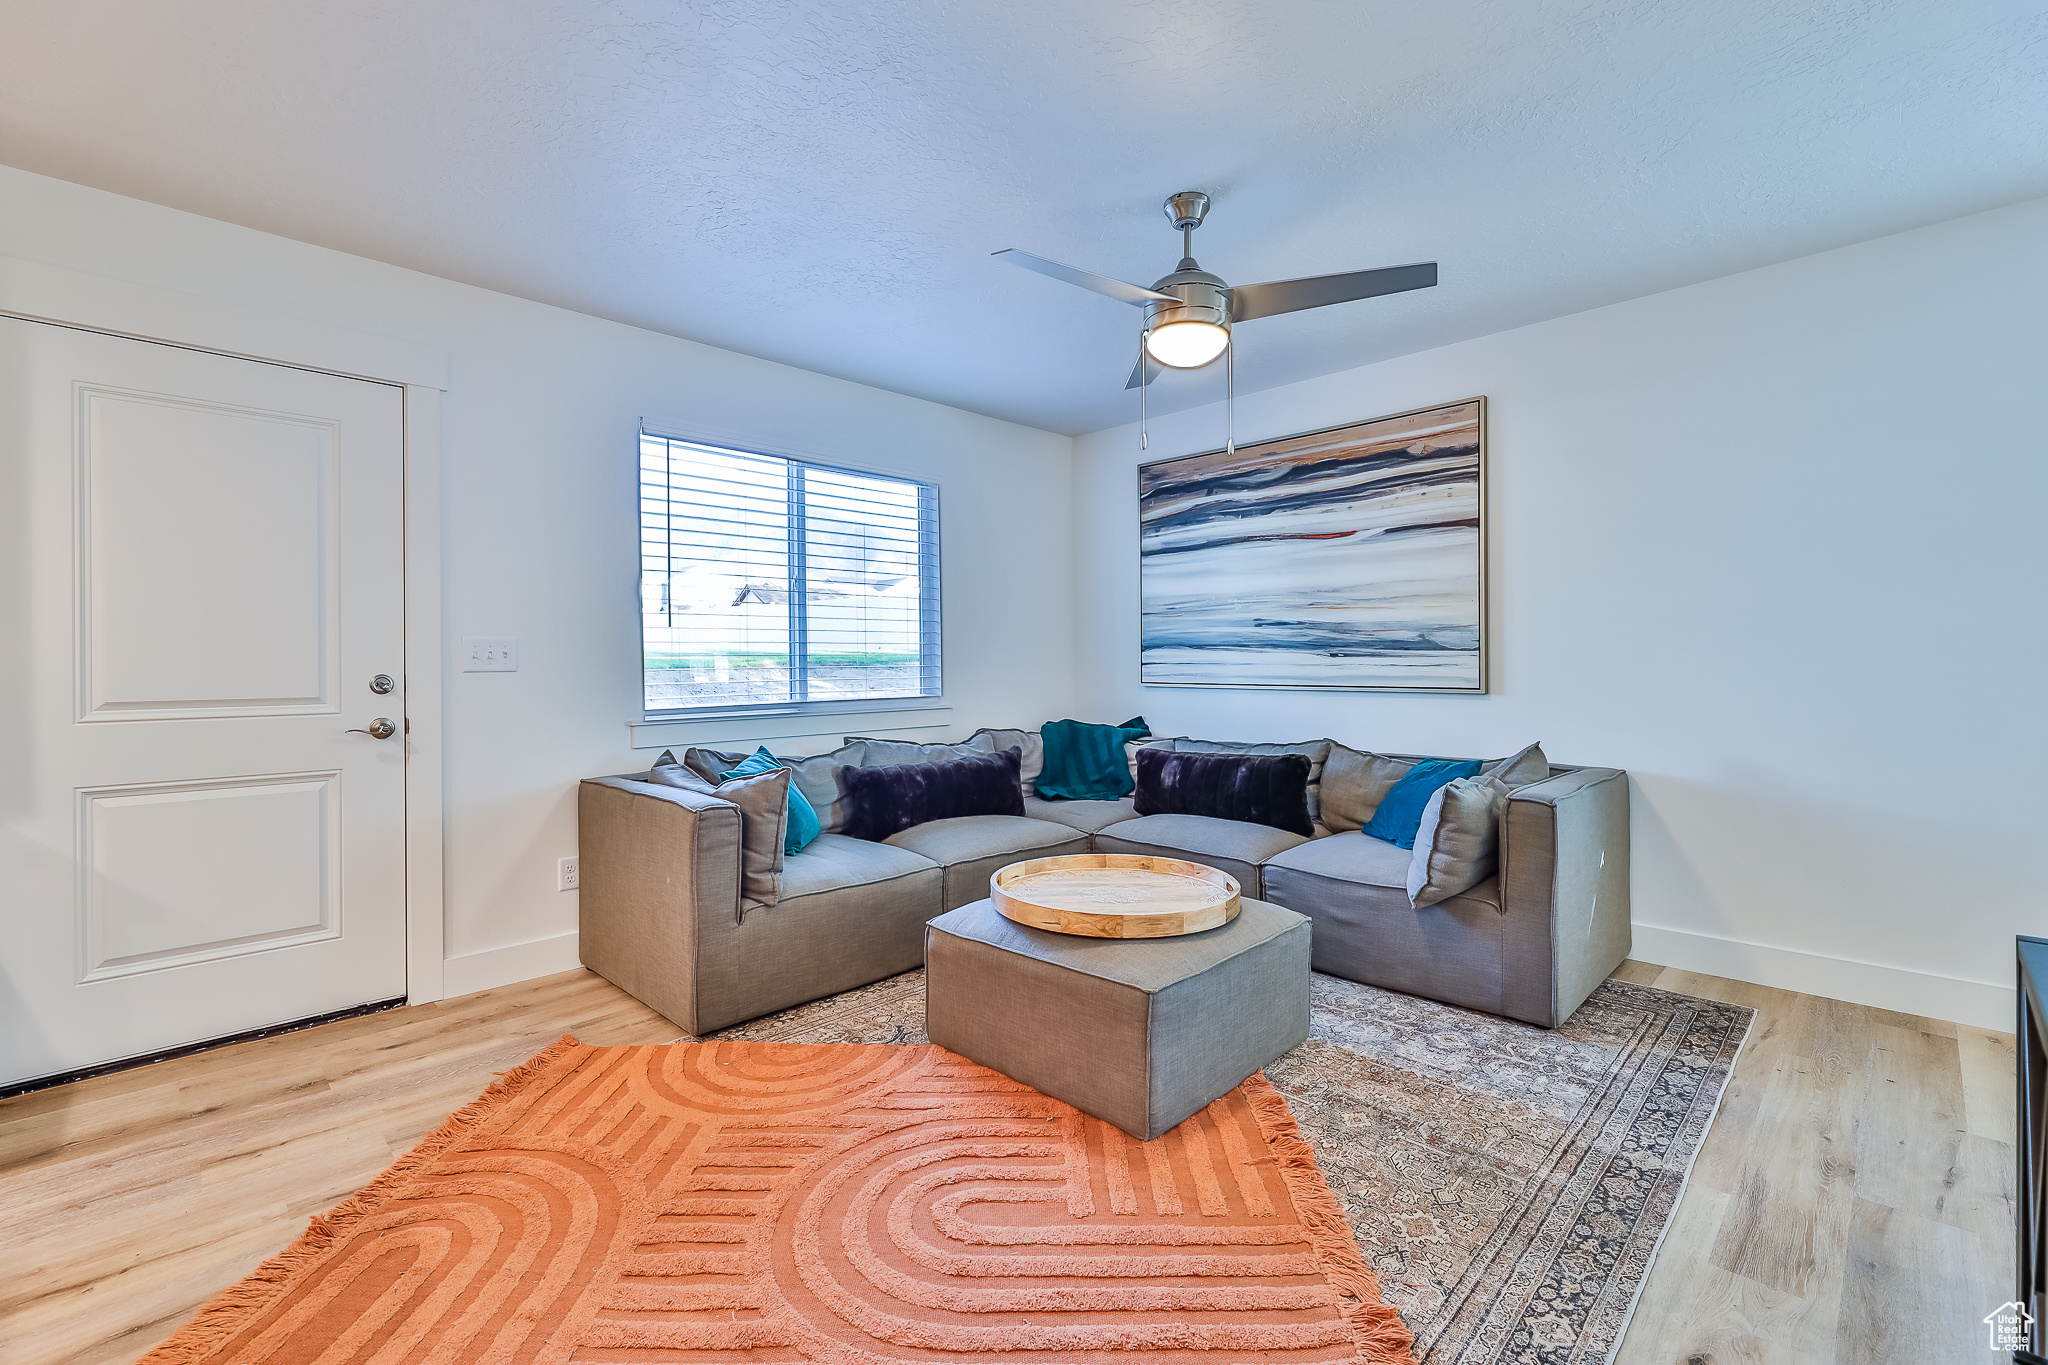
1349,558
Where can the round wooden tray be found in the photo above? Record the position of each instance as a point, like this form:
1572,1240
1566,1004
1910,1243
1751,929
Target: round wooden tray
1115,895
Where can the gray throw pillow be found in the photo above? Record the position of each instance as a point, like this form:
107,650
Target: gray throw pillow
710,764
884,753
764,822
1354,783
1457,845
1029,742
817,777
1131,748
1519,769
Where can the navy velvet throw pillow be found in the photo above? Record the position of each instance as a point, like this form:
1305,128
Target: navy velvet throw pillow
1263,789
886,800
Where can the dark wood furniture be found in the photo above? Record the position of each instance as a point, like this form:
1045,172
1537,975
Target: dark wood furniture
2032,1147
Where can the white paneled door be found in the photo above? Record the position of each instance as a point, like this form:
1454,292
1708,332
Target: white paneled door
201,590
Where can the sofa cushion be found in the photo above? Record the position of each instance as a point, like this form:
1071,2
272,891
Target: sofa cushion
897,796
833,861
876,753
1361,860
1354,782
1351,857
1227,845
817,777
1086,816
1355,888
1316,751
968,837
1029,742
1259,789
706,763
1518,769
1456,951
973,848
851,912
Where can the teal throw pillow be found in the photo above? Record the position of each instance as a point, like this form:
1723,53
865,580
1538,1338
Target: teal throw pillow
1086,762
803,818
1400,810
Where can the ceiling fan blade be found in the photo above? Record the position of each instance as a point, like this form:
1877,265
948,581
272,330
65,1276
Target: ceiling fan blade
1144,372
1087,279
1248,301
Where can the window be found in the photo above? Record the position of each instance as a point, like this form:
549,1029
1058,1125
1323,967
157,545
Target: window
766,581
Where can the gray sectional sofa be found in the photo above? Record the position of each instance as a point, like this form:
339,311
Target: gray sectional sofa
663,916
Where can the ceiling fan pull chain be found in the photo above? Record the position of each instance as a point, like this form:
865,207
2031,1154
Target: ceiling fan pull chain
1142,386
1230,400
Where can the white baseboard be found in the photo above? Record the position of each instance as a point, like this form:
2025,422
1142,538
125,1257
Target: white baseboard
1980,1004
514,962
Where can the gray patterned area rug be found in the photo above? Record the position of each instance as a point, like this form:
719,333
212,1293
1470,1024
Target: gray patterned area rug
1510,1184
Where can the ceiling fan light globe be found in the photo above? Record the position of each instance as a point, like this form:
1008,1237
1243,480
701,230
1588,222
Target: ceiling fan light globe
1186,345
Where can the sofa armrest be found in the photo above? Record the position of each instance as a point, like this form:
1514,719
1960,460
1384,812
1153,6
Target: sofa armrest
660,875
1564,882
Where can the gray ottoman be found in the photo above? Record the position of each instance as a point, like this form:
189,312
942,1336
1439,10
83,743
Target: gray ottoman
1141,1033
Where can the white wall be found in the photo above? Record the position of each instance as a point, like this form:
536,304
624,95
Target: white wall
540,523
1772,543
1768,542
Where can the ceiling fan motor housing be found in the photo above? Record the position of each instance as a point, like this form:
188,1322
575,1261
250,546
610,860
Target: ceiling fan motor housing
1203,298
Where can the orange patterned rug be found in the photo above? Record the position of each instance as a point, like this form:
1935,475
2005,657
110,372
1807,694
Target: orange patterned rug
862,1204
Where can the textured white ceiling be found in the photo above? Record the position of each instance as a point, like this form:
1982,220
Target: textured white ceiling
822,184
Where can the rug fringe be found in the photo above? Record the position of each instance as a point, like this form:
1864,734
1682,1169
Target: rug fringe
230,1310
1376,1326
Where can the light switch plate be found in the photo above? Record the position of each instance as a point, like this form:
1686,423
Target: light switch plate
488,654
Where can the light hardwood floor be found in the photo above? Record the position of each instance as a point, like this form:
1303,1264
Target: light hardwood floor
1853,1202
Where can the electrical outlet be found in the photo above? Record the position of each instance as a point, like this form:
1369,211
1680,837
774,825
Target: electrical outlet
567,875
485,654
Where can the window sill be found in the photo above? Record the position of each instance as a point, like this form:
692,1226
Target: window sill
910,718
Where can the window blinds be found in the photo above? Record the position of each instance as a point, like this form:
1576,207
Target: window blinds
766,580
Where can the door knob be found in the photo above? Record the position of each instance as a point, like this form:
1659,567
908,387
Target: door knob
380,728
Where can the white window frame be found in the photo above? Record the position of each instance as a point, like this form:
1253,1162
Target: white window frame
930,613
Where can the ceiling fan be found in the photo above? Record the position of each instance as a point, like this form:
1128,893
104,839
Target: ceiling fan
1189,314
